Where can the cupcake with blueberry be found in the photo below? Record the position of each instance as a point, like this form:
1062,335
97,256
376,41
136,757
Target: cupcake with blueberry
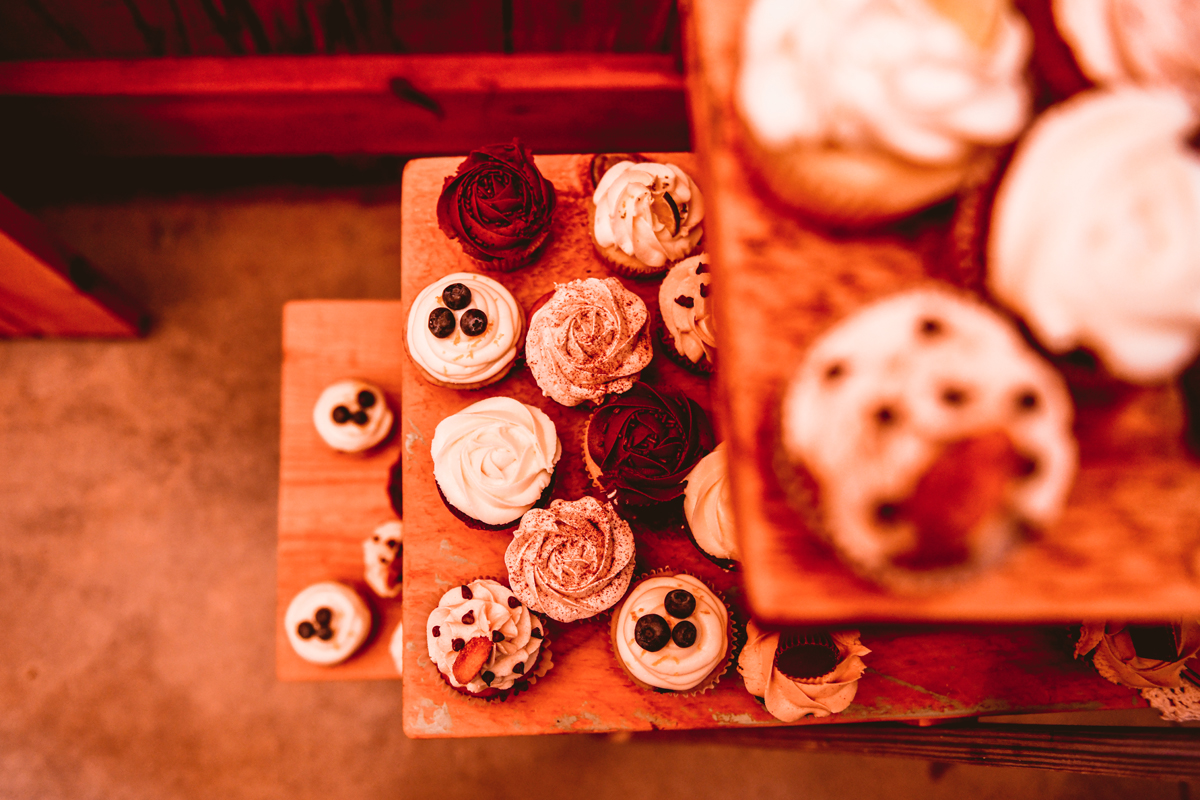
673,634
353,416
799,673
327,622
486,643
465,331
708,510
687,329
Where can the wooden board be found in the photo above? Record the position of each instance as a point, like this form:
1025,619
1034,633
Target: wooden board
1128,545
914,674
329,501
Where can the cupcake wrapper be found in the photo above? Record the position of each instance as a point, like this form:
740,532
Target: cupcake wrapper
471,522
793,640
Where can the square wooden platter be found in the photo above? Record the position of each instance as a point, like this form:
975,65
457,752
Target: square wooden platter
1128,545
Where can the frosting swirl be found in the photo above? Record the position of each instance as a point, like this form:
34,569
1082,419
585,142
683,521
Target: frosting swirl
589,339
672,667
458,358
708,507
634,214
495,458
645,442
364,420
892,75
1095,237
1117,660
788,700
686,308
343,631
571,560
484,608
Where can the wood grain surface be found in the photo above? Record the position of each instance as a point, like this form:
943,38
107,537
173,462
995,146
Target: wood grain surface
1128,544
914,673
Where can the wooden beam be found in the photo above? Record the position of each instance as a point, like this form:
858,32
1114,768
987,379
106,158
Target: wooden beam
403,105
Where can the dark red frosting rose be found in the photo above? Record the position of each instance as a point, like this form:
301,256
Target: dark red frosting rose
646,442
497,206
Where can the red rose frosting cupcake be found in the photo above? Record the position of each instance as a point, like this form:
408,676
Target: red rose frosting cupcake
498,206
640,447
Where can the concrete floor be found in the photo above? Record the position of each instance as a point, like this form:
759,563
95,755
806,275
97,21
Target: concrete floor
137,554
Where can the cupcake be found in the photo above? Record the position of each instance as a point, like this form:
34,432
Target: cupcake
494,460
645,216
640,446
1150,658
587,339
485,642
327,622
396,649
465,331
708,509
1095,233
922,438
688,332
381,559
864,111
802,673
498,207
672,634
352,416
572,560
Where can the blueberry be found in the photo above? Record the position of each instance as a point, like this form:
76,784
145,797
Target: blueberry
473,322
684,634
359,417
679,603
652,633
306,630
456,296
323,616
366,399
441,322
341,415
325,634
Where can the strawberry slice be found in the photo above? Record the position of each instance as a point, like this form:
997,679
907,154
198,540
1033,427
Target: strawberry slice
471,659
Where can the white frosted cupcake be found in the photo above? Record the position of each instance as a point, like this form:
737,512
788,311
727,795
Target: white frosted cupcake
708,509
352,416
495,460
381,558
327,622
465,331
688,328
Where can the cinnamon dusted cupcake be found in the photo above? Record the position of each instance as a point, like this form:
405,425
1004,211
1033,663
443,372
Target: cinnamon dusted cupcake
688,332
672,634
465,331
485,642
708,509
572,560
495,460
587,339
641,445
922,438
498,206
645,216
802,674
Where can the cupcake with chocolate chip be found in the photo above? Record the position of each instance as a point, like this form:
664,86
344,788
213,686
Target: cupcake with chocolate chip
327,622
799,673
708,510
485,642
465,331
687,330
923,439
353,416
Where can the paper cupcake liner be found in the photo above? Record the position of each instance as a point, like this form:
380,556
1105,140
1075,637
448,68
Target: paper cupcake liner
789,640
475,524
727,564
733,633
666,344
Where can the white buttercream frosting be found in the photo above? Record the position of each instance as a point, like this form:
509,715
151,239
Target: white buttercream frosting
891,75
380,551
634,215
352,435
673,667
708,506
515,632
458,358
685,302
350,622
495,458
396,648
788,700
1095,236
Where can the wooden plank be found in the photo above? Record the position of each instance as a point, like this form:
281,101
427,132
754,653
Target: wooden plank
915,673
1127,545
411,105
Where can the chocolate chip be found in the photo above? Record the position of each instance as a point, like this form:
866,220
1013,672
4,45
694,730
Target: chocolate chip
306,630
651,633
437,631
1027,466
488,676
930,327
473,322
684,634
887,512
536,633
497,636
885,415
1028,400
466,592
441,322
468,618
325,634
704,290
323,616
341,415
701,269
391,543
513,602
519,668
458,644
954,396
679,603
456,296
360,417
685,301
366,398
834,370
